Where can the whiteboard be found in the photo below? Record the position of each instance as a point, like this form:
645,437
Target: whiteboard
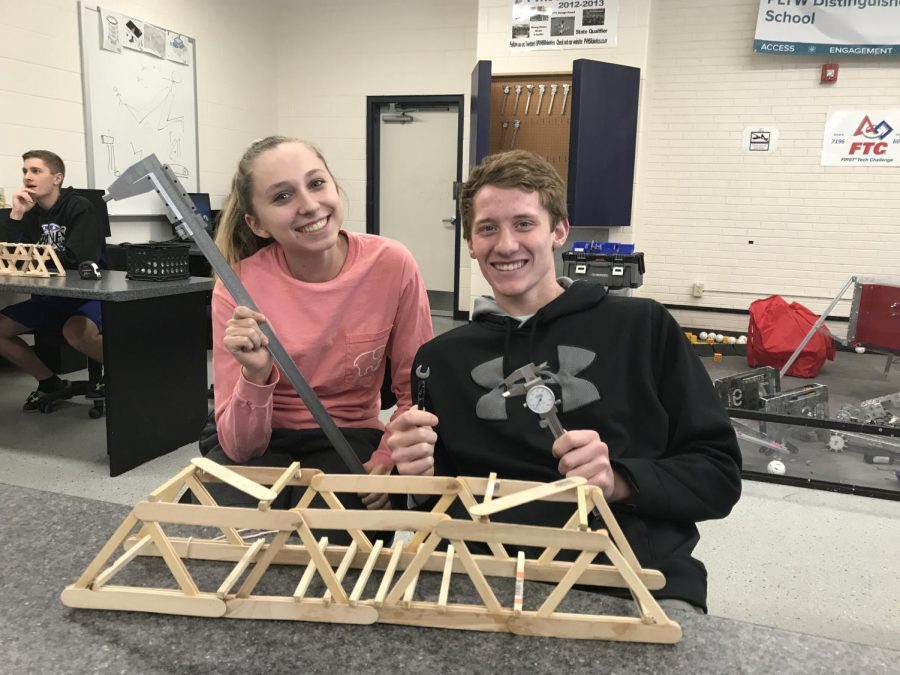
136,104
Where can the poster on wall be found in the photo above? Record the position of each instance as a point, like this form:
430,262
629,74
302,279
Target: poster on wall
862,137
828,27
563,24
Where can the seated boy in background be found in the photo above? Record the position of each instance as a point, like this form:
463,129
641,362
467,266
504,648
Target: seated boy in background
43,212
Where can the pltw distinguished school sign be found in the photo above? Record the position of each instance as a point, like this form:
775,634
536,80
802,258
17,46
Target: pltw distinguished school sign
828,27
862,137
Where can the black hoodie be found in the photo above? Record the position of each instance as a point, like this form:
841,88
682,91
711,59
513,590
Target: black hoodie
620,366
70,225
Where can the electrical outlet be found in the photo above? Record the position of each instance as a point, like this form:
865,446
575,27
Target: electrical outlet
697,289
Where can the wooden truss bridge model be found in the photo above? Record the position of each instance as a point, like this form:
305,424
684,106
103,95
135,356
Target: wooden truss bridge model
390,599
29,260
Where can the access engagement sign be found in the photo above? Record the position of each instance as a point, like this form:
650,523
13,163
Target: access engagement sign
830,28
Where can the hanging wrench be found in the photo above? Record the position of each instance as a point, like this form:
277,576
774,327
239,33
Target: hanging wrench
516,104
541,89
530,88
503,127
505,97
516,125
422,374
553,88
565,98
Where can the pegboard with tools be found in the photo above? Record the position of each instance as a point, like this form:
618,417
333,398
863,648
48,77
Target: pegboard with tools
532,112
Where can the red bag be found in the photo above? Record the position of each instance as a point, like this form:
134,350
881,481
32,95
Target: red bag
777,329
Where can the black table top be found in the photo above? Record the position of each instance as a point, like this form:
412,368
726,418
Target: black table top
113,287
48,540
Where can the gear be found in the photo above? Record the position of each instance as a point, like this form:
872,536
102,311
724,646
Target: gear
836,443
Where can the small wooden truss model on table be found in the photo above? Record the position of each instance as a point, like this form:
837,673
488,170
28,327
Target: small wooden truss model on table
389,599
29,260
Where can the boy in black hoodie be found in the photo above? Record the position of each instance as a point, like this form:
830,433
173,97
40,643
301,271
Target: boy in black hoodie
43,212
644,422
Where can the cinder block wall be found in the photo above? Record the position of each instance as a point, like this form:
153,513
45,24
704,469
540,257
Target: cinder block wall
701,200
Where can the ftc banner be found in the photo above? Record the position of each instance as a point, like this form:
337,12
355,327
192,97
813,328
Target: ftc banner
563,24
862,137
828,27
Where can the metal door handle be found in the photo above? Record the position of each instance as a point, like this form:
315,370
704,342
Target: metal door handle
449,221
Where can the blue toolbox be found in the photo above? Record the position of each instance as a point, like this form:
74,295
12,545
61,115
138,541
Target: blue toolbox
612,264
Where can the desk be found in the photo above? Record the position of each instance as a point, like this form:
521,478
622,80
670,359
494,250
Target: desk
154,352
51,538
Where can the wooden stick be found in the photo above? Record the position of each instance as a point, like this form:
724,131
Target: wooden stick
522,535
167,491
262,565
203,496
342,570
129,555
551,552
467,497
321,563
525,496
366,572
582,509
647,604
489,491
519,598
508,486
106,552
155,600
440,507
337,508
478,581
445,580
565,585
173,562
411,574
356,483
265,475
278,485
234,479
615,531
388,574
410,590
217,516
311,609
240,568
309,573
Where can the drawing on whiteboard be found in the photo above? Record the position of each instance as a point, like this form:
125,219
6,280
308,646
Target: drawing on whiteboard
157,91
110,142
174,146
147,108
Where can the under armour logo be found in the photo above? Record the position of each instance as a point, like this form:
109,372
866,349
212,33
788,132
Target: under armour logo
576,392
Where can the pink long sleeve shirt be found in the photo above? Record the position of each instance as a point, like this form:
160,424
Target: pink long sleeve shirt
338,332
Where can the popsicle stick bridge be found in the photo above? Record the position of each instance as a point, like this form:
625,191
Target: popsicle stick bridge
383,585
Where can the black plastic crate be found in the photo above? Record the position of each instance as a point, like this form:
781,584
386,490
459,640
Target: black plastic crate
157,262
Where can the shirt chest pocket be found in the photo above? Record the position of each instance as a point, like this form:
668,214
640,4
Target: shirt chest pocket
365,358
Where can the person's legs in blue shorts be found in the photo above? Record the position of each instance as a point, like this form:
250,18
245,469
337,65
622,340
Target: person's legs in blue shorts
78,320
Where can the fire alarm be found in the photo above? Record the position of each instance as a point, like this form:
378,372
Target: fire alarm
829,72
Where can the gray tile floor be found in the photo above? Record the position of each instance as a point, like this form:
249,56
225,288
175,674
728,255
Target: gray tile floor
795,558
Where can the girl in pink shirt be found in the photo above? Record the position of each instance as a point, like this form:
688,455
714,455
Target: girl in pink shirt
342,304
